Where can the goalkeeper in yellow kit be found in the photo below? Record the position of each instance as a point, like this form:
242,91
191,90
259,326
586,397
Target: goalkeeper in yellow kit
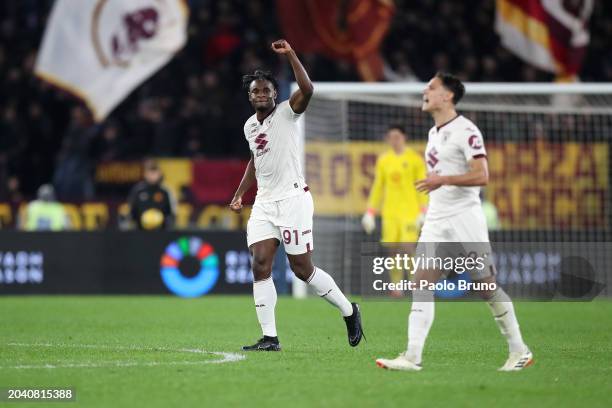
394,194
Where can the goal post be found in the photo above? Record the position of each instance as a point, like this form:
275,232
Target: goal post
548,153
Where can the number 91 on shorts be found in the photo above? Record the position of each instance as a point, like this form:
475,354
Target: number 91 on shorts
288,220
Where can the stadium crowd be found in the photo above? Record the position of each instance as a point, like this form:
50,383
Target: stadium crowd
194,107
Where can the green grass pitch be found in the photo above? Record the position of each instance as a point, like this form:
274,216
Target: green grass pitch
126,352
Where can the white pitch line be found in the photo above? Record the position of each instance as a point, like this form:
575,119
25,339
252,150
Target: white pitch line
225,356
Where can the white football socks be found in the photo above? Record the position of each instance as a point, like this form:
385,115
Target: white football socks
419,322
325,286
264,294
503,312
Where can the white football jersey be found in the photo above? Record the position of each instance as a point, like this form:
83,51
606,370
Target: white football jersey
449,148
275,147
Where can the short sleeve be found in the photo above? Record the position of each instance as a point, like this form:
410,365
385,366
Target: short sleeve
473,144
286,110
246,130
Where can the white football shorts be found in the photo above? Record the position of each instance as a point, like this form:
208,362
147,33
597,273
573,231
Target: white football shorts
288,220
469,226
464,234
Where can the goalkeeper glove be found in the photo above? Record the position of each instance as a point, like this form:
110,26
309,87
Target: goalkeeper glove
368,221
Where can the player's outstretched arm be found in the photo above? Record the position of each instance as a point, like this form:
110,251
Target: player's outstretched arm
300,98
478,175
245,184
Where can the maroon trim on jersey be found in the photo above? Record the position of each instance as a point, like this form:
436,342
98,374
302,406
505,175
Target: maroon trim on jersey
441,126
479,156
307,189
308,249
266,117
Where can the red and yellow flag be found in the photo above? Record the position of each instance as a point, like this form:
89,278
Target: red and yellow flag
549,34
351,30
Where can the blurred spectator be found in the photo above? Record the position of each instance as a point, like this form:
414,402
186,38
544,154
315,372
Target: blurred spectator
73,175
11,144
152,206
45,213
11,190
110,144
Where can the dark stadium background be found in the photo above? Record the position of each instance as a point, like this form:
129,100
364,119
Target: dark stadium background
194,107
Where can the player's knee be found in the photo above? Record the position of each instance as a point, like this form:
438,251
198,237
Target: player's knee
486,294
262,267
302,268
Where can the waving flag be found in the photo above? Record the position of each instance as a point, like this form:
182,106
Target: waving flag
550,34
100,50
351,30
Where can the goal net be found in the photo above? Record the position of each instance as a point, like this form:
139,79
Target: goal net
548,155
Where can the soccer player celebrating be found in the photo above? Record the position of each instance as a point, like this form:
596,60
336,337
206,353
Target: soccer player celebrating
457,164
283,206
394,190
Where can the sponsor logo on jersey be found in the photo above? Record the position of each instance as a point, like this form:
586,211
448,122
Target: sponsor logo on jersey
261,141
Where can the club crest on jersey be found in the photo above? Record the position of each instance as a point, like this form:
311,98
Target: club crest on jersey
432,157
474,142
261,143
445,135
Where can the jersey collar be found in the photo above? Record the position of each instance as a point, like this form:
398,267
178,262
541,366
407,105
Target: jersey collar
444,124
265,117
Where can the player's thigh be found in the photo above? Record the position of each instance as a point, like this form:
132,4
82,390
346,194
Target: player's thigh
301,265
426,275
469,226
427,251
436,231
295,224
470,230
262,256
491,282
260,226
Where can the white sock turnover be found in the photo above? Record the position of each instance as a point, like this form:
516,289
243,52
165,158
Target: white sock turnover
419,322
264,294
325,286
503,312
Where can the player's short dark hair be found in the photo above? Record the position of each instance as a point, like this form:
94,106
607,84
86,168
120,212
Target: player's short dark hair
259,74
397,126
453,84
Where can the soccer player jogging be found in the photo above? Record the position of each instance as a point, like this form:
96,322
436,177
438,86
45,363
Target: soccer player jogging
457,164
283,207
395,195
